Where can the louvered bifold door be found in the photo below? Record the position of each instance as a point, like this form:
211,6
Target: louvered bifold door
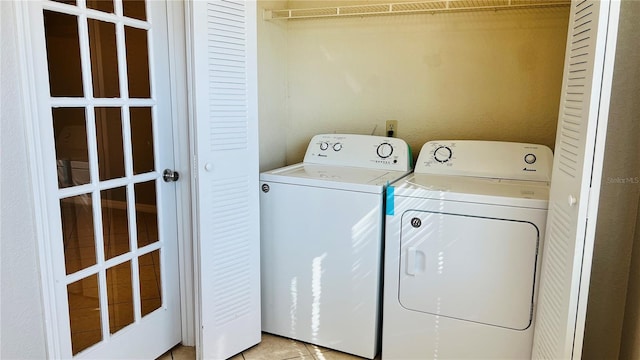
227,210
562,263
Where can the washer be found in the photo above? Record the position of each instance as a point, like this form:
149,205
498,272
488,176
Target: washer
463,236
321,241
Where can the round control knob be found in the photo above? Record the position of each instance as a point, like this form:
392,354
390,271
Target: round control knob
337,146
442,154
384,150
530,158
324,145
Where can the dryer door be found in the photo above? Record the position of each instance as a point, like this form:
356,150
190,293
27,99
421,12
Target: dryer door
470,268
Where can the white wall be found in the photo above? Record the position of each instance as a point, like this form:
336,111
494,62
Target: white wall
476,75
21,317
272,91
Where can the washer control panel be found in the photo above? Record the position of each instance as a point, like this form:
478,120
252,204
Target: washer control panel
375,152
492,159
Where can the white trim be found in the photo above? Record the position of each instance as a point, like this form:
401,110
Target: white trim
107,184
104,102
118,204
35,166
182,158
596,175
191,103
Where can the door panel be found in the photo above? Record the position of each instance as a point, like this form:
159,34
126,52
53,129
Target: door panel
566,264
104,116
227,210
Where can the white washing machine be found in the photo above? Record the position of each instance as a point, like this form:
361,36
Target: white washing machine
321,241
462,251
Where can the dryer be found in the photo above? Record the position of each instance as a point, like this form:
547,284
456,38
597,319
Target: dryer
462,251
321,241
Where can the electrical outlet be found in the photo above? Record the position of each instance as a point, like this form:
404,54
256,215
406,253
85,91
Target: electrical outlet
392,128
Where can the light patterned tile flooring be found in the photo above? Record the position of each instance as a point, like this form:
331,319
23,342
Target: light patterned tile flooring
270,348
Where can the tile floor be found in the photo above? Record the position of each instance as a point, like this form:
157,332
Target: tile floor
271,348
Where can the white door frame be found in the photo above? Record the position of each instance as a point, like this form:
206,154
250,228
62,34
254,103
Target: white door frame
182,158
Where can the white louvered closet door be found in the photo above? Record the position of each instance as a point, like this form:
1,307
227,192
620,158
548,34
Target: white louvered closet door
227,209
568,248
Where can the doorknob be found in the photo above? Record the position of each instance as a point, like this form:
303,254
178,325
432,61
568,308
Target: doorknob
170,176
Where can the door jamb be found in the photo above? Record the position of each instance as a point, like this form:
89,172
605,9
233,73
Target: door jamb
177,35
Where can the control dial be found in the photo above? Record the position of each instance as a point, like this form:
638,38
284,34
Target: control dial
324,145
530,158
337,146
384,150
442,154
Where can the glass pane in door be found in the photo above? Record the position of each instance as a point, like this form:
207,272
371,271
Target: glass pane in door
70,2
63,54
115,223
134,9
84,313
102,5
70,135
137,62
146,213
77,233
120,295
104,59
110,143
142,139
150,280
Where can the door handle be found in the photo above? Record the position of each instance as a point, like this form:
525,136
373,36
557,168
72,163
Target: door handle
169,175
411,261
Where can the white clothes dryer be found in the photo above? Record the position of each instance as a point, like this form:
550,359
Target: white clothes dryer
462,251
321,241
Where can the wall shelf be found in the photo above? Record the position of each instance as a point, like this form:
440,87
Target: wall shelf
430,6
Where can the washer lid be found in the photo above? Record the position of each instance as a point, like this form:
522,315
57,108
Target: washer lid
533,194
335,177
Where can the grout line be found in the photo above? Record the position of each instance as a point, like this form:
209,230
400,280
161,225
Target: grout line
298,357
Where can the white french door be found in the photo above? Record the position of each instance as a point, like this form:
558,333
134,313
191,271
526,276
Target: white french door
101,74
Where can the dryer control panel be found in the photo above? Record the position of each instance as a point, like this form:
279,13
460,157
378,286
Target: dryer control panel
491,159
374,152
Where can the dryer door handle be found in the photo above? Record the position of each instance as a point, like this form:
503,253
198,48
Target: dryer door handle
411,261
